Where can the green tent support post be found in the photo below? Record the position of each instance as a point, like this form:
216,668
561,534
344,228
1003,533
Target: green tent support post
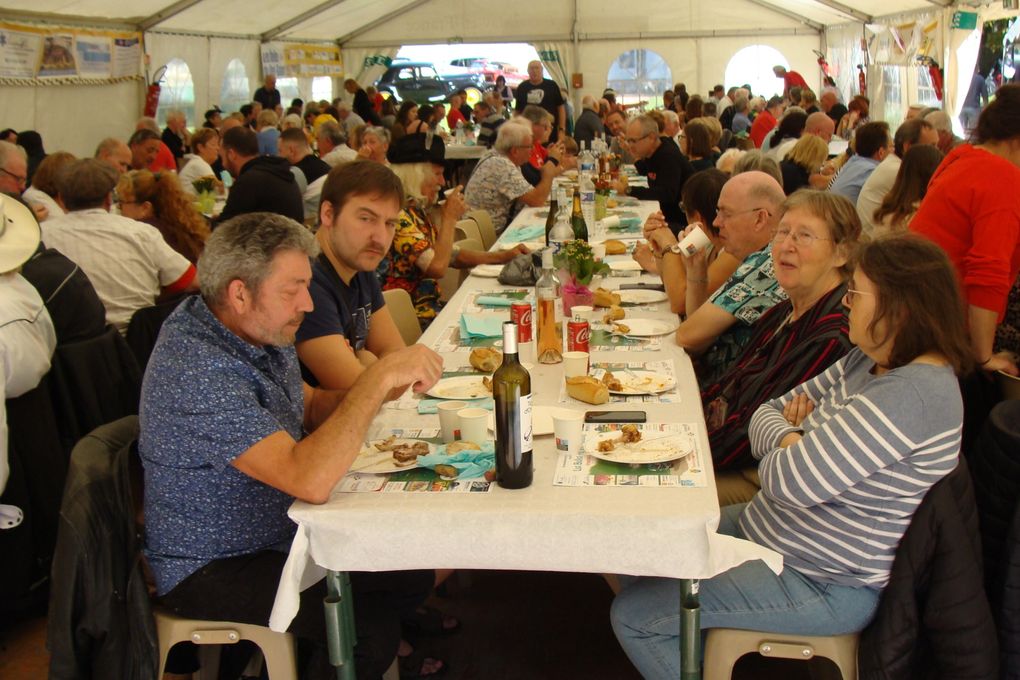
340,635
690,630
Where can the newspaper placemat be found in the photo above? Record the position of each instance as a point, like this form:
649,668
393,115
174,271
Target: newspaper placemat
664,368
603,338
418,480
581,469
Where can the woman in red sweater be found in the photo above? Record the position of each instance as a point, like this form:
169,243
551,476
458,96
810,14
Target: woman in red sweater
972,210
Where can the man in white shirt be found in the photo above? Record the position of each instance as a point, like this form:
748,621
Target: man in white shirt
880,182
128,262
333,144
27,337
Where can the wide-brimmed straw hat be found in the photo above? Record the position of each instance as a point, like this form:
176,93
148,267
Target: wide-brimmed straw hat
19,234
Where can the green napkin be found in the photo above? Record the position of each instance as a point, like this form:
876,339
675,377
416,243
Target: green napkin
481,325
494,301
469,463
525,232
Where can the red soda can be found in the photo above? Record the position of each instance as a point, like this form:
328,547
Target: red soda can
520,314
578,333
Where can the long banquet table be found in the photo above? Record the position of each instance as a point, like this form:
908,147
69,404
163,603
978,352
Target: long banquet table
638,530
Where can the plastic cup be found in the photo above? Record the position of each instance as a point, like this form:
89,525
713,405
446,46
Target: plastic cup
567,427
449,422
585,312
694,242
611,221
474,425
575,364
598,250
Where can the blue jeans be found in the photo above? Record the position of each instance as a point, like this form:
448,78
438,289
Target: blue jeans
646,614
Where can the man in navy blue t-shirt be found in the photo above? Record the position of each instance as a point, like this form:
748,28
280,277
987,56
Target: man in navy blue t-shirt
350,328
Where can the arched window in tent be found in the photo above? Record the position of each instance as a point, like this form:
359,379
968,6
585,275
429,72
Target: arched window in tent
753,66
322,88
236,90
289,90
177,93
640,76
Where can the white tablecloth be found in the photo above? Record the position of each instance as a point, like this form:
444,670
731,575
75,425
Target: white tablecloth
461,152
625,530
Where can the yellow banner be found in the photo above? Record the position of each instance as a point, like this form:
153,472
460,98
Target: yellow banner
300,59
63,54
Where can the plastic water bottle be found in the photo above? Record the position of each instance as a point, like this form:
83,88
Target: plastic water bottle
586,161
459,134
561,231
587,189
227,179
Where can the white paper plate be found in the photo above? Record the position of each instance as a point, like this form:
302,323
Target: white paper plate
639,381
460,387
487,271
649,328
654,450
533,246
374,461
642,297
625,266
541,421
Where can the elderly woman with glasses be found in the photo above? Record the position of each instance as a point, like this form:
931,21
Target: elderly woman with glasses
792,342
375,142
845,460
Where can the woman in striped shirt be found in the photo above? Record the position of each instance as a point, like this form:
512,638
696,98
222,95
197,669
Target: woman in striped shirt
845,459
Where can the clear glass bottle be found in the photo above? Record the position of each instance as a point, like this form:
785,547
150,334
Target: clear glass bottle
550,313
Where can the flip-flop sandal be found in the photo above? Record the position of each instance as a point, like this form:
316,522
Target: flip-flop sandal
412,664
430,621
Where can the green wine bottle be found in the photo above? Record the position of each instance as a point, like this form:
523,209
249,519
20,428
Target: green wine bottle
511,392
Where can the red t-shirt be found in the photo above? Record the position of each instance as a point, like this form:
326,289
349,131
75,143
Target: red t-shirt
793,79
164,160
538,155
972,211
452,117
763,124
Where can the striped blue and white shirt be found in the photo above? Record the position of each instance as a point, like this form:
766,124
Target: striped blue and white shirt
837,503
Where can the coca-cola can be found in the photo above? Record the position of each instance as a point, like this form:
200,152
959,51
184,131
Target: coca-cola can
520,314
578,334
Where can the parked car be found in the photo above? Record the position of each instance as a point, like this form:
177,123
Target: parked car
490,70
420,82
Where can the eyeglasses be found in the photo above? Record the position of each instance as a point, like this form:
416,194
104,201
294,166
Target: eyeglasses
801,239
851,295
20,179
635,140
727,214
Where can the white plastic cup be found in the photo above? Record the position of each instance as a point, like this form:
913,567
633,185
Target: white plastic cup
598,250
575,364
474,425
611,221
694,242
449,422
567,428
585,312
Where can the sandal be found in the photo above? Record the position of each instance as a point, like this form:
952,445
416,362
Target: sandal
418,666
430,621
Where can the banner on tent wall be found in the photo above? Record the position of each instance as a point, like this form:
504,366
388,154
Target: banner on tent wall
34,55
293,60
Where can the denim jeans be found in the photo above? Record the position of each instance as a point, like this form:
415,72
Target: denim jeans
646,614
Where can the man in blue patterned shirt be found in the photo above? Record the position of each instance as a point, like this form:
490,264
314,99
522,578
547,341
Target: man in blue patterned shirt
231,436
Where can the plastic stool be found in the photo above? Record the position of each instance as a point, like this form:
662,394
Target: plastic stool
277,648
726,645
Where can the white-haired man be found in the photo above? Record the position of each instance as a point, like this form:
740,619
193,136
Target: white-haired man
176,136
497,183
943,125
348,118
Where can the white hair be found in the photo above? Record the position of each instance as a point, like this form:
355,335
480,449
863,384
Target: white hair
671,116
940,120
7,150
512,133
589,102
728,159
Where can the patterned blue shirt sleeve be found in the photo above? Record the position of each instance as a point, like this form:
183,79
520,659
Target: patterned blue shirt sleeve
752,290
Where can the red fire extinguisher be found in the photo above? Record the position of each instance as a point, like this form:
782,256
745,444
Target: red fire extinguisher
862,81
152,93
935,73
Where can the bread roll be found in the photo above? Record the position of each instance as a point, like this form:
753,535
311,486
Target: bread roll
587,389
486,359
615,247
606,298
456,447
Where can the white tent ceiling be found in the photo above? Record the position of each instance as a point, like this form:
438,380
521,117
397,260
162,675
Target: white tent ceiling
422,21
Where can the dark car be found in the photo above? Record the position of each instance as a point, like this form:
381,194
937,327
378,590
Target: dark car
420,82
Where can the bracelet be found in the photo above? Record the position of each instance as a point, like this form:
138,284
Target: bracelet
552,160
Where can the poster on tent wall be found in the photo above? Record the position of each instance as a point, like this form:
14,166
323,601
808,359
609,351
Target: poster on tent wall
32,54
294,60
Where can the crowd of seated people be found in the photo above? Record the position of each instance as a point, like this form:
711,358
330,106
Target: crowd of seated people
811,308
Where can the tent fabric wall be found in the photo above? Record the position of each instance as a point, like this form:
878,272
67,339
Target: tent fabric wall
73,118
207,58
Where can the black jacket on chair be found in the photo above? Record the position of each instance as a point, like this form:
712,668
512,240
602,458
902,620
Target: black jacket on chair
995,461
100,623
94,382
933,620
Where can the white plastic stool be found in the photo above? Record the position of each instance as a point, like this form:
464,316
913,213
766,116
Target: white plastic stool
726,645
277,648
